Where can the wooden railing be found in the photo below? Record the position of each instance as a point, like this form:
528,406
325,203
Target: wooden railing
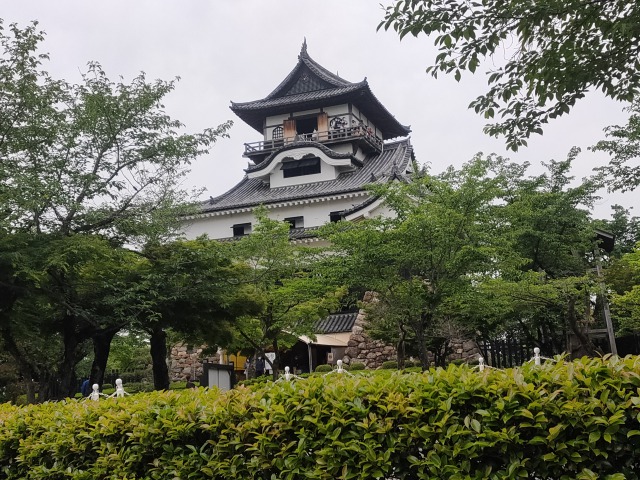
337,135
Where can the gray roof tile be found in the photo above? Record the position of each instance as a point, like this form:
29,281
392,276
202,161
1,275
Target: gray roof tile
336,323
380,168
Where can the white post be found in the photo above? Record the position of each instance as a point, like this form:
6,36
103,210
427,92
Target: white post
481,364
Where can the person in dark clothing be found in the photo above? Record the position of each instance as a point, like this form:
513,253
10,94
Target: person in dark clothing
190,384
259,366
85,388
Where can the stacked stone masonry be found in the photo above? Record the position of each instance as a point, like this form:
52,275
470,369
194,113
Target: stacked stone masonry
187,361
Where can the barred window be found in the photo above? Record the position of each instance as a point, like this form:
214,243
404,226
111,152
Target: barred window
278,133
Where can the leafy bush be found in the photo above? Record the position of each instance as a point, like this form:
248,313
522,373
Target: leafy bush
578,420
258,381
137,387
412,363
356,366
389,365
323,369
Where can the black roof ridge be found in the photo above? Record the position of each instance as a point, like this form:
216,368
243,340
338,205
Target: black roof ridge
301,96
315,67
390,176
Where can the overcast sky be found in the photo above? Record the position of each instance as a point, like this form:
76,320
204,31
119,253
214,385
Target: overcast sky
240,50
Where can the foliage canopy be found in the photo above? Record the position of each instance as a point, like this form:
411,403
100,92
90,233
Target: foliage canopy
555,51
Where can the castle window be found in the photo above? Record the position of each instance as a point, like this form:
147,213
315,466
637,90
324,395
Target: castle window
295,222
298,168
335,217
306,126
278,133
241,229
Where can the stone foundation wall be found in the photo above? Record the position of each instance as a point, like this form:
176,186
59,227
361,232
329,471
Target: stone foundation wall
184,360
362,348
465,350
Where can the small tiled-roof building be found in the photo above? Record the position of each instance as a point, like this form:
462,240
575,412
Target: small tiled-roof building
324,139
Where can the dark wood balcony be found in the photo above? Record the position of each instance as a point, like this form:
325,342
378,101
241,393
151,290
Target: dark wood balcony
364,137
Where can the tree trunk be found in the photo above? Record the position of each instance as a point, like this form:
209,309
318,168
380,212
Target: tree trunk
158,343
101,348
28,370
421,338
400,347
64,385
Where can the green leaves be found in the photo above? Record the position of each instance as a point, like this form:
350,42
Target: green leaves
451,424
557,51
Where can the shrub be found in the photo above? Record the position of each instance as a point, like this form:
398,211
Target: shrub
390,365
107,386
323,369
261,380
137,387
458,361
357,366
579,420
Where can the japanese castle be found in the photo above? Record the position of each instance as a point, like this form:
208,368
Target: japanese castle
324,139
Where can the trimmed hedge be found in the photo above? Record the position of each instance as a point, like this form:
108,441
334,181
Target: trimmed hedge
578,420
389,365
356,366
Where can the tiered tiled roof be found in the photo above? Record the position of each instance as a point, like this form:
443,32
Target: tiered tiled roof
336,323
310,85
393,162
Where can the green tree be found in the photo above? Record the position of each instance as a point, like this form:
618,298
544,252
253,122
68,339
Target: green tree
286,281
544,290
624,227
423,262
191,287
99,158
623,144
623,279
556,51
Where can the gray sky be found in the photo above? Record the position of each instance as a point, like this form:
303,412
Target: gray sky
240,50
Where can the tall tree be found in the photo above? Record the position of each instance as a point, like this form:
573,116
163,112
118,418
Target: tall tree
427,257
547,226
623,279
556,51
96,158
284,279
191,287
623,144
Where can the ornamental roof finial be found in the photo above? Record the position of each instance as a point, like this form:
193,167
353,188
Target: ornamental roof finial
303,50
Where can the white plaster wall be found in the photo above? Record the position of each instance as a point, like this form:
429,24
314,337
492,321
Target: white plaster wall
342,148
276,120
301,113
327,172
315,214
216,226
337,110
